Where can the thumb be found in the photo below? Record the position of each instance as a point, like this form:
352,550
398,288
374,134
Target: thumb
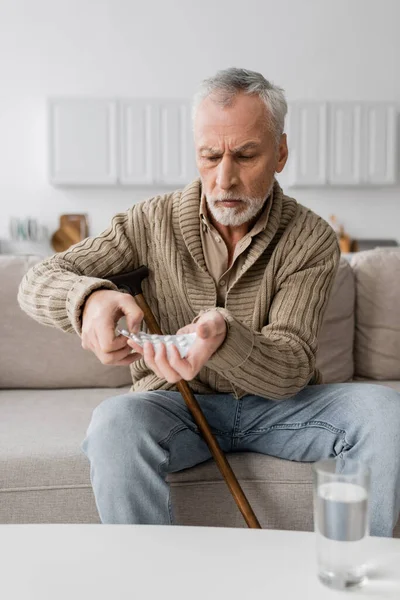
206,328
211,324
203,330
132,312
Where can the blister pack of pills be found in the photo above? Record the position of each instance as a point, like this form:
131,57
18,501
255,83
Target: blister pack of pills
182,341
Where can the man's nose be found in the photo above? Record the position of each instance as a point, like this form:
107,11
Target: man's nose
226,175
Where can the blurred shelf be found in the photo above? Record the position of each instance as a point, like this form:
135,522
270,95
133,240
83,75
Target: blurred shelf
25,248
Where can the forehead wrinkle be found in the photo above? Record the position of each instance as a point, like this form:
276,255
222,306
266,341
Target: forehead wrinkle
237,150
246,146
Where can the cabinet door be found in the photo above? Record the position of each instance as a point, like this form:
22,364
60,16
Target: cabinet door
176,157
82,141
308,129
138,141
380,143
284,177
345,144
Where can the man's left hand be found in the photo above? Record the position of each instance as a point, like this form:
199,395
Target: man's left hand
211,331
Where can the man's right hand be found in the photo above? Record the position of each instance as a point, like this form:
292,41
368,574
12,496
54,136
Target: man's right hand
102,310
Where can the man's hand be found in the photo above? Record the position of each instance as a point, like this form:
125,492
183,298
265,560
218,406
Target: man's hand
102,310
211,331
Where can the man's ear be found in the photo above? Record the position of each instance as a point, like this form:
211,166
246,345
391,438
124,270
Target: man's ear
283,153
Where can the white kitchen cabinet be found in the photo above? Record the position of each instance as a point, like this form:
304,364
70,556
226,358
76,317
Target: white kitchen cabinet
128,142
345,144
341,144
82,141
307,139
150,142
156,142
138,131
176,157
284,176
362,144
380,151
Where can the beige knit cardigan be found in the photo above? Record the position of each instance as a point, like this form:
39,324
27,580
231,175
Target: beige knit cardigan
273,308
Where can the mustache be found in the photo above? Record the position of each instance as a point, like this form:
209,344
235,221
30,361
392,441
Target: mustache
230,196
226,196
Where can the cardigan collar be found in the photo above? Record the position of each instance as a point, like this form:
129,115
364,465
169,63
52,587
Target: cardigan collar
200,286
190,223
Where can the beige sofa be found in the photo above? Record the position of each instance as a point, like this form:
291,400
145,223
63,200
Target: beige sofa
45,407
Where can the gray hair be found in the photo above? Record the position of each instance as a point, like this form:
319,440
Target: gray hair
226,84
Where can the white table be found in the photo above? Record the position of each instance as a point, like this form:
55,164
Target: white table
121,562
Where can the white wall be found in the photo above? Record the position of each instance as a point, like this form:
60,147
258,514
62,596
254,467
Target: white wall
314,49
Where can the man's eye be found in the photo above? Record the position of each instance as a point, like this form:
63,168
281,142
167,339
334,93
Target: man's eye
212,158
245,157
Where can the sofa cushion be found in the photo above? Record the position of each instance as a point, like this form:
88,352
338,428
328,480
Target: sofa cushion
44,475
40,435
279,491
38,356
377,331
336,338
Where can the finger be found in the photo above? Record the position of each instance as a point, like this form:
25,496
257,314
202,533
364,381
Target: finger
129,359
149,359
112,358
164,366
133,313
149,356
119,343
91,342
105,331
86,342
107,344
105,328
183,367
134,345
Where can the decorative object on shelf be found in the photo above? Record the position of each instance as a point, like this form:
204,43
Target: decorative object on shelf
371,244
27,229
73,229
26,238
25,248
343,237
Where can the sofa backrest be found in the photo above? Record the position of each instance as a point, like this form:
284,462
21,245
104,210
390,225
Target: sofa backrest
37,356
377,328
336,338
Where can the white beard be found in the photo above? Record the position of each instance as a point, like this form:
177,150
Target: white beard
235,216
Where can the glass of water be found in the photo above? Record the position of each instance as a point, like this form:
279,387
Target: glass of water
341,522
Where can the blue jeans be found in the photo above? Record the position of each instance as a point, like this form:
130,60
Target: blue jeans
136,439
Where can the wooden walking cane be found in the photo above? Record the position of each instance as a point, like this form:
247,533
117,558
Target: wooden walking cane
132,282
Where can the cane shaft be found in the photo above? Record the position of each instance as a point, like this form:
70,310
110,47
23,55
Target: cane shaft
198,416
219,456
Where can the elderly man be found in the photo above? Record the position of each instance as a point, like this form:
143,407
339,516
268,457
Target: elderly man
250,270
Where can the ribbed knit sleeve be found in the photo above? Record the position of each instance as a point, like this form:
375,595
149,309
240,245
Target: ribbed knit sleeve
279,361
54,291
